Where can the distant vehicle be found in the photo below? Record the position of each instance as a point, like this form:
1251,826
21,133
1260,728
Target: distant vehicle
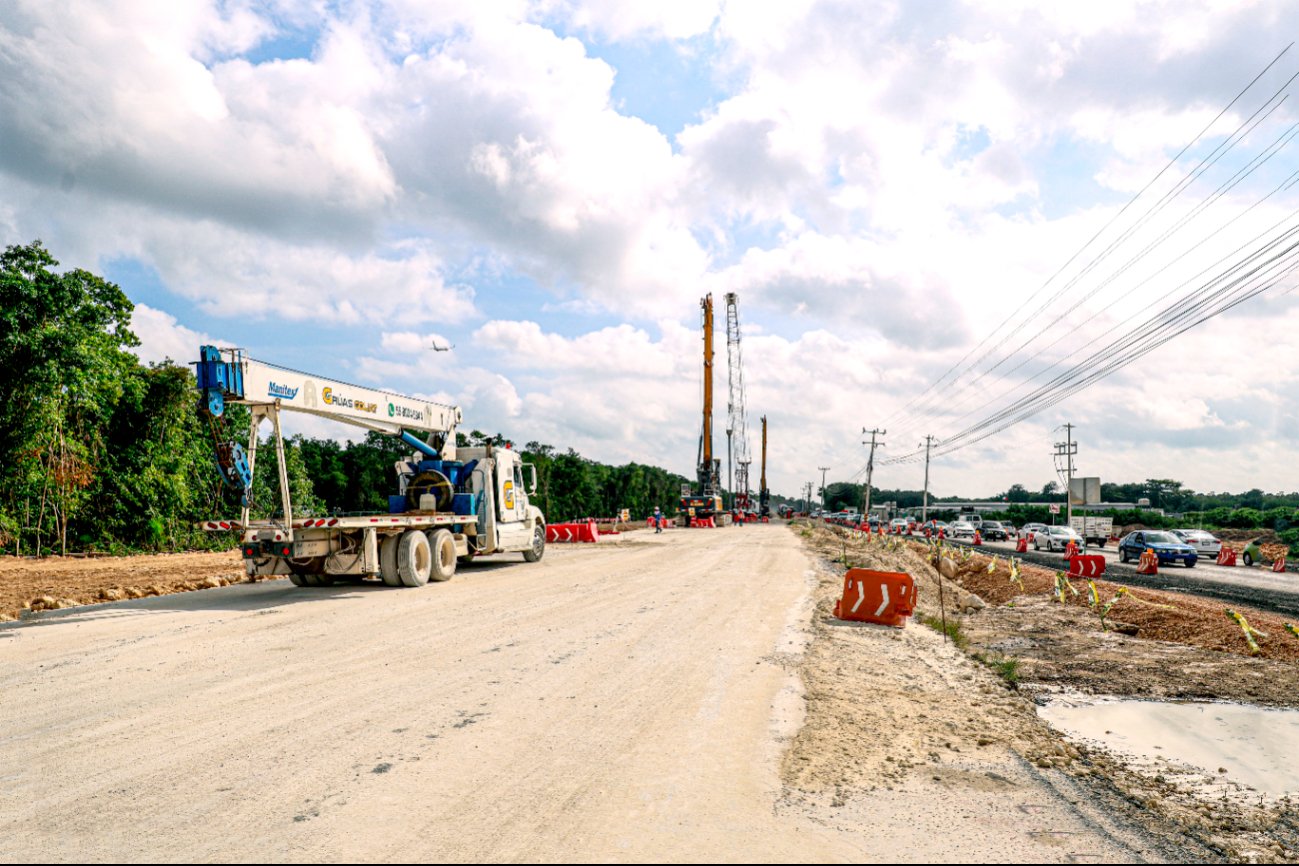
1205,543
1096,530
1032,529
961,529
898,524
992,530
1168,547
1056,538
1253,552
973,519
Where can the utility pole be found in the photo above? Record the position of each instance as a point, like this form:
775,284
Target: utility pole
924,510
1067,449
824,469
870,469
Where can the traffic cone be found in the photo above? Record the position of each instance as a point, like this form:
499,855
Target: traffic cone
1149,563
1278,565
1070,550
978,539
1021,546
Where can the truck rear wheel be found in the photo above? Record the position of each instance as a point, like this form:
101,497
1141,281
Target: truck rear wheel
414,558
538,549
388,561
444,555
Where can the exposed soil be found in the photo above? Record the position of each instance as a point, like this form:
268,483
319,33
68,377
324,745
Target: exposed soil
1183,648
58,582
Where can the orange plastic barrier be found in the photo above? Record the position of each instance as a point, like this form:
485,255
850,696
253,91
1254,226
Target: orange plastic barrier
978,539
703,523
1070,550
1089,566
1149,562
1021,546
1278,565
884,597
1226,556
571,532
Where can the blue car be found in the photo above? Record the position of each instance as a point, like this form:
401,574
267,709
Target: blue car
1168,547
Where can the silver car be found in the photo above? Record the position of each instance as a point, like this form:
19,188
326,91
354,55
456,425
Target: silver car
961,530
1205,543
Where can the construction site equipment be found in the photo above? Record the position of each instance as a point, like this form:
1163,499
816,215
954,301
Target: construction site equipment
707,501
450,505
883,597
737,431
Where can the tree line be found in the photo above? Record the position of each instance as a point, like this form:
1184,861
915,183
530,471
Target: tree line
99,452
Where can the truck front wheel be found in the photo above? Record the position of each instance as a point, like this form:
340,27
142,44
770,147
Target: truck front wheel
538,548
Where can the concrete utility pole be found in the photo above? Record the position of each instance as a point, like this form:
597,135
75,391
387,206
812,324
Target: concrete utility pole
924,510
824,469
870,469
1067,449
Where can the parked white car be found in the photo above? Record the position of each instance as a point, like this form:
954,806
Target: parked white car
1205,543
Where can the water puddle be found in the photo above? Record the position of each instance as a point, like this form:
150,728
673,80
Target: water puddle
1255,745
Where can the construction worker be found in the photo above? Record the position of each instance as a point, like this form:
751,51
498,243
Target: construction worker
658,520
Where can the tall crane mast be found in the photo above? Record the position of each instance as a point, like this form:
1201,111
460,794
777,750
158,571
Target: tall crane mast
709,469
764,494
736,427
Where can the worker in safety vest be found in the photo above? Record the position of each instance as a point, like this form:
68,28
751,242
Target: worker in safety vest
658,520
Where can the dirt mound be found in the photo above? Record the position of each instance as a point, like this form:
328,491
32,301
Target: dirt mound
58,582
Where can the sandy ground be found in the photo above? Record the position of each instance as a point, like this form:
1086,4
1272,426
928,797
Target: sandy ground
640,699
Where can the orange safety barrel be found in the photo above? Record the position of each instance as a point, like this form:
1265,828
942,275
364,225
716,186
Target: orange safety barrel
1149,563
883,597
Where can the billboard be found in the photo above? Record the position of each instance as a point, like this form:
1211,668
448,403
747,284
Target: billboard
1084,491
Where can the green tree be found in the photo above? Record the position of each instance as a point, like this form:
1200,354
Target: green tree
63,362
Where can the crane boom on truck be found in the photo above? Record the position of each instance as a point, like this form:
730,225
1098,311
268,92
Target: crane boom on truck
451,504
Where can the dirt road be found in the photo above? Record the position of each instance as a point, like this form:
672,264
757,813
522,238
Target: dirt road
628,701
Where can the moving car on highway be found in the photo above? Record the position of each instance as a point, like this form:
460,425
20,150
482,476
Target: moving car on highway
961,529
1056,538
1205,543
992,530
1168,547
1032,528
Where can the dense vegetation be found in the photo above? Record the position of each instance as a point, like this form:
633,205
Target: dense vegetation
99,452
